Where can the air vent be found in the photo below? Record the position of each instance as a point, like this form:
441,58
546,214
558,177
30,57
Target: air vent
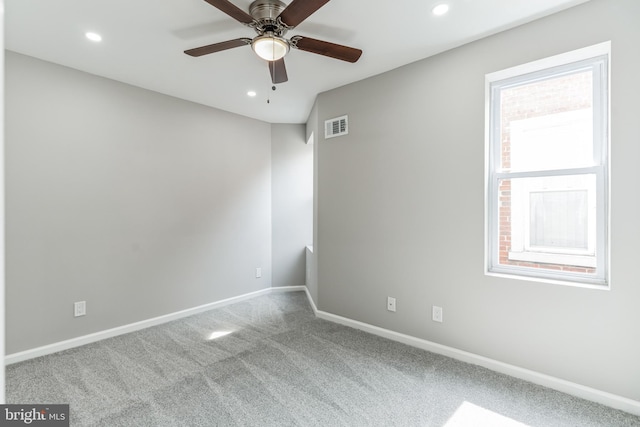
336,127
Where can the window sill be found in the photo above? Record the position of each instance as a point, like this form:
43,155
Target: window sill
549,258
597,284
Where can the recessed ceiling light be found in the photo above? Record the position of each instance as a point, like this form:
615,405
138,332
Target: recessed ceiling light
94,37
440,9
251,93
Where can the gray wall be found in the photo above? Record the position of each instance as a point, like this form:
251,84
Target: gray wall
139,203
401,209
291,202
312,259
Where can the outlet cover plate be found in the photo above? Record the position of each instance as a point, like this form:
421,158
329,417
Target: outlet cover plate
79,308
436,313
391,304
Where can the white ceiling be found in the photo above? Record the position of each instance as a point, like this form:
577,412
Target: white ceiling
144,40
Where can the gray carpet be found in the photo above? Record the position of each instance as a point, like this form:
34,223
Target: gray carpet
269,362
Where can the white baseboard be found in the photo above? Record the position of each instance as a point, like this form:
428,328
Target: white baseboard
288,288
312,302
588,393
132,327
578,390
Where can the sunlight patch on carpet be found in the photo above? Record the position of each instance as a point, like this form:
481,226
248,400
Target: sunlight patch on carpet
218,334
470,415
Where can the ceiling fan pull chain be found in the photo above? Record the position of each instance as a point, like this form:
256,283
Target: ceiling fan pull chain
269,93
272,65
273,88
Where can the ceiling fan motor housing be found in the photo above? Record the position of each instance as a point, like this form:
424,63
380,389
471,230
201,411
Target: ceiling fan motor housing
266,13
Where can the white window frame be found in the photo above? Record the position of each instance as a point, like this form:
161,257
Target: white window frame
598,59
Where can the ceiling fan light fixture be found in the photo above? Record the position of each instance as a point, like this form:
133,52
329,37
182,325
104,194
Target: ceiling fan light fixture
270,47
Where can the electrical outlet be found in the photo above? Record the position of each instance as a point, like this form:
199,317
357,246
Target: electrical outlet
258,273
391,304
79,308
436,313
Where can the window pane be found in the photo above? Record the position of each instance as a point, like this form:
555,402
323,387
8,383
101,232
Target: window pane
558,219
547,124
548,222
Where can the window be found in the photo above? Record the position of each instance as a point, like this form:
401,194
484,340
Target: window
547,169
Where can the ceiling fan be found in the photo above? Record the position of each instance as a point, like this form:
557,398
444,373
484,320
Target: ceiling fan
271,19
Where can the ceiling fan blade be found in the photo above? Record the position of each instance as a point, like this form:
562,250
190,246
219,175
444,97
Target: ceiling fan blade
231,10
217,47
278,71
332,50
299,10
